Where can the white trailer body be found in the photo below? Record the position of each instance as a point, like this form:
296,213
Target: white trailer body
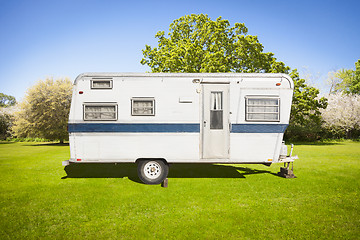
180,117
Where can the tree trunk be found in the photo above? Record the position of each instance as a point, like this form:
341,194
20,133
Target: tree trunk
348,134
61,141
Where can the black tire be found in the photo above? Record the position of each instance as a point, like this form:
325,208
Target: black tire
152,171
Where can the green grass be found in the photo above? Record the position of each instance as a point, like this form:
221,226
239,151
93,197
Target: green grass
38,199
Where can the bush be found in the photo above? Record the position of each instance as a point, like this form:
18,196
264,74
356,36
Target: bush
29,140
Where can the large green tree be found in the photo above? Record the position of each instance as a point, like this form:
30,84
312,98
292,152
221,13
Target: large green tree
44,111
195,43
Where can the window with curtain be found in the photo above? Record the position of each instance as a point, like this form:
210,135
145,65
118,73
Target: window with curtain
142,106
99,112
216,110
262,109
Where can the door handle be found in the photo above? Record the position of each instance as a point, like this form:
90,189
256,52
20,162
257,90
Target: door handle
204,123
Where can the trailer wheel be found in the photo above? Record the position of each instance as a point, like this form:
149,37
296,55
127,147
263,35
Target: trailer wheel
152,171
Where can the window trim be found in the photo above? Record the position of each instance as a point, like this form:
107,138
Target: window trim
262,120
100,104
142,99
101,80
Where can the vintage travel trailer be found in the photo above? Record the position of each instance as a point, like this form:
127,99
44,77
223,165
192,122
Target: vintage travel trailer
154,119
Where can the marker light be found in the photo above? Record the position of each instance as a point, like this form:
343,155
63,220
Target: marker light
78,159
81,92
278,84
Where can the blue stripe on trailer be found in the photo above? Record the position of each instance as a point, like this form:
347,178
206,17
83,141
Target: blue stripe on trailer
170,127
258,128
134,127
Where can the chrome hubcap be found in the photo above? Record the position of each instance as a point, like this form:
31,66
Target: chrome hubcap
152,170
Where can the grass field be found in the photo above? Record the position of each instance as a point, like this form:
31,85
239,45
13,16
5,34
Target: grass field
38,199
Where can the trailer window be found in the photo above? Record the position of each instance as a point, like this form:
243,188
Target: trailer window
263,109
101,84
216,110
100,112
143,107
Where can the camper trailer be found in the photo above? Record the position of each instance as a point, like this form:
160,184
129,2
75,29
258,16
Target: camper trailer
154,119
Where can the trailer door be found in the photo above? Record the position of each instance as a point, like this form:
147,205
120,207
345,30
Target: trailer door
215,132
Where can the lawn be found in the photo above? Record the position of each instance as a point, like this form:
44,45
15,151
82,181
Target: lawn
38,199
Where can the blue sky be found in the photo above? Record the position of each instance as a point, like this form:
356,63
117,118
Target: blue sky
40,39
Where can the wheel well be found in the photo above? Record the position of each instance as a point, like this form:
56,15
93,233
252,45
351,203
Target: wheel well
149,159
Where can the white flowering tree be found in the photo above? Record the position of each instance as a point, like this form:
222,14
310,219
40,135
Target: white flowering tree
342,115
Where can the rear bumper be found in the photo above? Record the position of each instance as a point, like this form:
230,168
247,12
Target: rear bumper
289,159
65,163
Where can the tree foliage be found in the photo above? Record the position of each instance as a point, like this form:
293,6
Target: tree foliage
6,117
6,120
44,111
305,118
347,80
195,43
7,100
342,116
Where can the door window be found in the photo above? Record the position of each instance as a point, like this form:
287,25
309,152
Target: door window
216,110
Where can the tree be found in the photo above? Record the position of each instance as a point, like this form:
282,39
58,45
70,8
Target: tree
195,43
305,118
7,100
342,116
6,117
44,111
6,120
347,80
333,81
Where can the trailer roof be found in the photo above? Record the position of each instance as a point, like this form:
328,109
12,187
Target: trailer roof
187,75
